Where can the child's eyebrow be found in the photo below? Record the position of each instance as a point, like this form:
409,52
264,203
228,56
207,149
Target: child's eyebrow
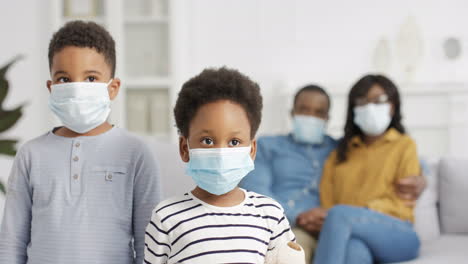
59,72
236,132
92,72
204,131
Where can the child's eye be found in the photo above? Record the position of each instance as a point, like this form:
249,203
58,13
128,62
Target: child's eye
91,79
234,143
207,141
63,80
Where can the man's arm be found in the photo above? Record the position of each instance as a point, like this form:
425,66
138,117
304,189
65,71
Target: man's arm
312,220
261,179
326,183
15,231
411,187
147,193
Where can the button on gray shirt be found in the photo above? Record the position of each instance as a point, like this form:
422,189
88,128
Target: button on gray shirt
79,200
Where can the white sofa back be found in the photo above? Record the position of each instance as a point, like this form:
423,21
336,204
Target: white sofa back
427,223
442,208
453,196
172,168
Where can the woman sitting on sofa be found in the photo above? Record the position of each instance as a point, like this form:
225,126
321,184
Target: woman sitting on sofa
367,222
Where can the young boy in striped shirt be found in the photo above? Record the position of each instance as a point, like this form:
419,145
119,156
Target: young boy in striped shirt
217,113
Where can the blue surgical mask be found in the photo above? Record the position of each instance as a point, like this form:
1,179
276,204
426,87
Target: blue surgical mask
373,119
219,170
309,129
80,106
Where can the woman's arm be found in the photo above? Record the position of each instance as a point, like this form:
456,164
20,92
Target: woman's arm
408,165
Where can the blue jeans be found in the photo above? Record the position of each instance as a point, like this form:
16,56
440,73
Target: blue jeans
358,235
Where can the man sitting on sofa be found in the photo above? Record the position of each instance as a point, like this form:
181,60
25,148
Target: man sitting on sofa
288,168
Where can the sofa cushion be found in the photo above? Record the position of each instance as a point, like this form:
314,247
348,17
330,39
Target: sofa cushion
453,195
174,181
446,249
426,212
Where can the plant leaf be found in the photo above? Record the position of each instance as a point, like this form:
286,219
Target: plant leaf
3,89
3,81
9,118
8,147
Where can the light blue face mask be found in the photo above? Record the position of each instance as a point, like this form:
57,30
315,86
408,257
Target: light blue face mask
80,106
309,129
219,170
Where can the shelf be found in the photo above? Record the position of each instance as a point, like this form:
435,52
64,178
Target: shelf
146,50
148,111
141,29
149,82
408,127
415,89
146,20
146,8
97,20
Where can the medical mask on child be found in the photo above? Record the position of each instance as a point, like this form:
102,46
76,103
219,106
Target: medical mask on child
308,129
373,119
219,170
81,106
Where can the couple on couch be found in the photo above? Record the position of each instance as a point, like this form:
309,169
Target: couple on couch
355,195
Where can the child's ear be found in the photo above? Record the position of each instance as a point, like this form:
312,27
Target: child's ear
253,149
183,149
114,88
48,84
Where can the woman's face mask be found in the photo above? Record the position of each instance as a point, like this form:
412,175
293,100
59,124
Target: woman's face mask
373,119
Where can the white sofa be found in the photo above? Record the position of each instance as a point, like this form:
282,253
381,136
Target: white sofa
172,168
441,212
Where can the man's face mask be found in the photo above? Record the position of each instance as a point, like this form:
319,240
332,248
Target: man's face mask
309,129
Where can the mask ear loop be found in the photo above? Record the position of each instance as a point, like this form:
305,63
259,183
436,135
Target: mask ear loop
110,101
188,144
109,82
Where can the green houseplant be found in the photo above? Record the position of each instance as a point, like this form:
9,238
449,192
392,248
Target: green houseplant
8,118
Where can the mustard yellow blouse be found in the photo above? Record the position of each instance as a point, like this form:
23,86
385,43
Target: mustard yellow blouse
367,178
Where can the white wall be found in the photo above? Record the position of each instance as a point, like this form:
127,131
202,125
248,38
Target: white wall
326,41
286,44
24,30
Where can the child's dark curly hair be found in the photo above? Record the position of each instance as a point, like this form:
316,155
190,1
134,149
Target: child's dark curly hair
84,34
218,84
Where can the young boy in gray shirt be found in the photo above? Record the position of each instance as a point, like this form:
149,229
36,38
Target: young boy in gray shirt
82,193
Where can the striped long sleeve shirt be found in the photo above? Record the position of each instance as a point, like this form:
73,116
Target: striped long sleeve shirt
185,229
79,200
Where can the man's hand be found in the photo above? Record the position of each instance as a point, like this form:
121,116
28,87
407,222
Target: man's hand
410,188
312,220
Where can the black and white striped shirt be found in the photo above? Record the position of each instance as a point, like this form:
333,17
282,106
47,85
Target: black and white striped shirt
185,229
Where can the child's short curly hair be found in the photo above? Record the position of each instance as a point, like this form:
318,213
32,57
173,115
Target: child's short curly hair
84,35
218,84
